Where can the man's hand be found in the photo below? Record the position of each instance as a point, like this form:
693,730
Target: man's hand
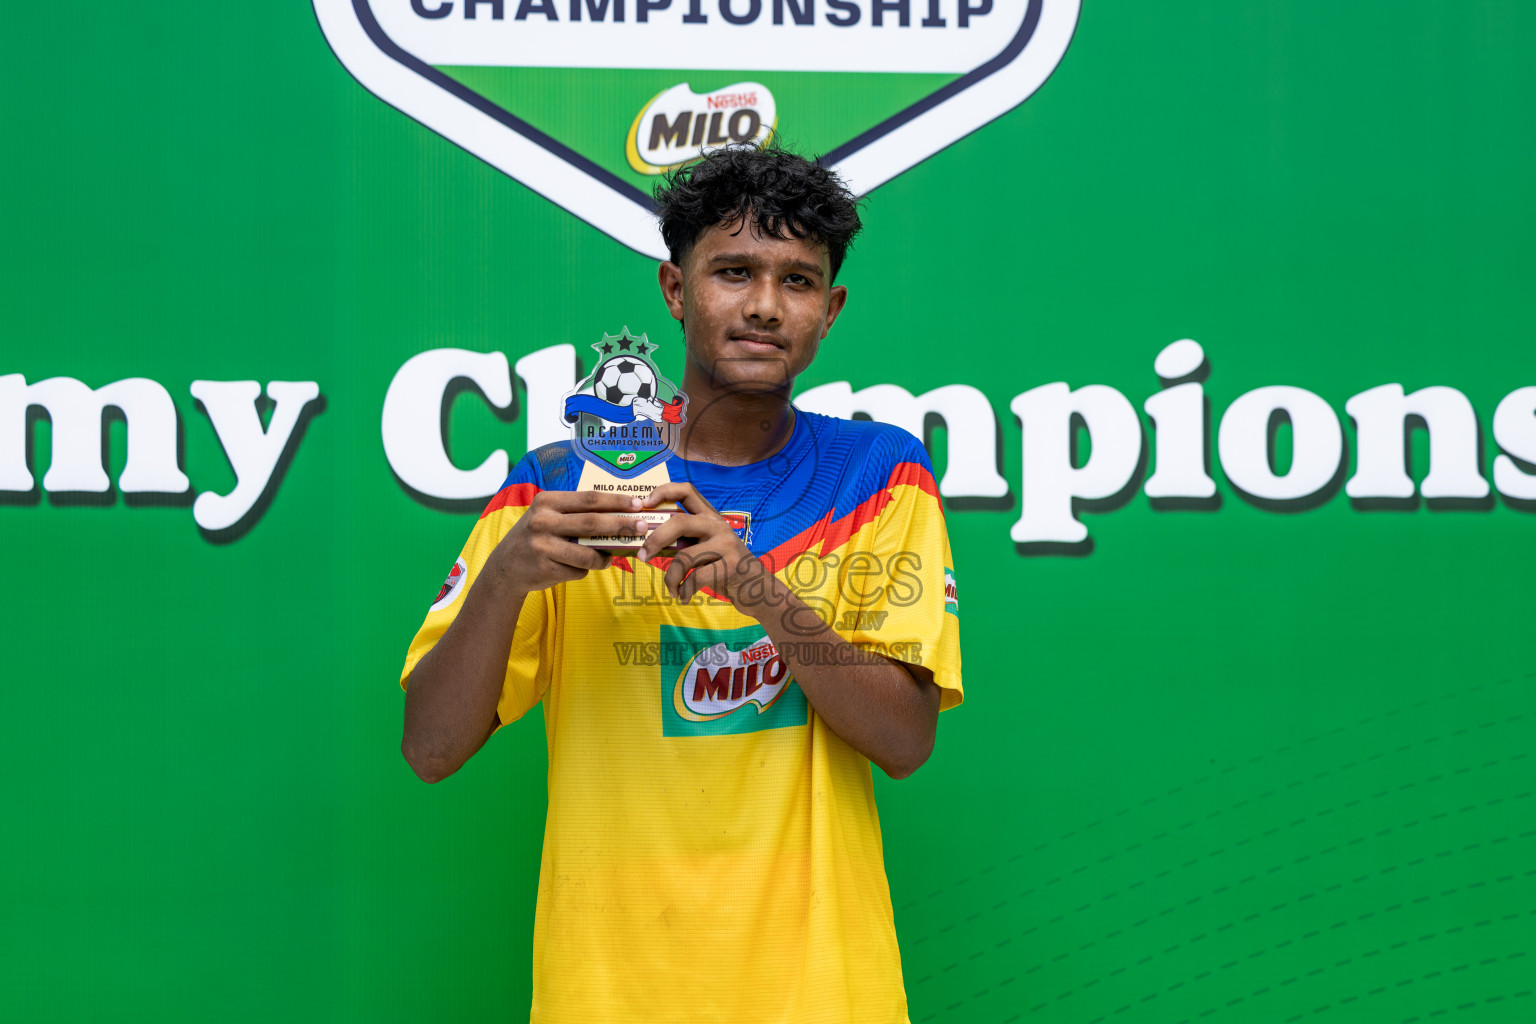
451,696
716,558
540,550
885,709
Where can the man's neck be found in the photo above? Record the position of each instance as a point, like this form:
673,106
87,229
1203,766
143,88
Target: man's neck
733,428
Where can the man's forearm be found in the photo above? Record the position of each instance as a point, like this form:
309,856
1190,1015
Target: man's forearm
876,705
451,695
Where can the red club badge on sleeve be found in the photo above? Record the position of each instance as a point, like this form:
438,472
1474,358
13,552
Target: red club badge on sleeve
451,585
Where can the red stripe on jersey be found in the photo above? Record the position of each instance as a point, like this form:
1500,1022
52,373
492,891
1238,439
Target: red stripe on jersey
832,534
915,475
511,496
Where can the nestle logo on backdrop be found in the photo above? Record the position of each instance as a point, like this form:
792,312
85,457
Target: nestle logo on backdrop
741,99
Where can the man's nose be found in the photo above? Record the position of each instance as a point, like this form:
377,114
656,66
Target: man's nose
762,301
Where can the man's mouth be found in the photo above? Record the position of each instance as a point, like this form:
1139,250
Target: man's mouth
755,342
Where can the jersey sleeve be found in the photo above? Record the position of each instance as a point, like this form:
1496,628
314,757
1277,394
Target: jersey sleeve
895,578
528,663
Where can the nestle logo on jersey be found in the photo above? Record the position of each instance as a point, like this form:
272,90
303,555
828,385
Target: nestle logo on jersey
717,682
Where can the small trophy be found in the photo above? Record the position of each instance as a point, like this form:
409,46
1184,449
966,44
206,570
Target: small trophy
626,421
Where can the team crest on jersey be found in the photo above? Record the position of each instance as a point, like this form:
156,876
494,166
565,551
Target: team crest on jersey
741,523
548,92
626,418
724,681
451,586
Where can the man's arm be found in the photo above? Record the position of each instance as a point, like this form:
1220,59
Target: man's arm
886,710
451,695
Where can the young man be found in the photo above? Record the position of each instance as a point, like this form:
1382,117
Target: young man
712,851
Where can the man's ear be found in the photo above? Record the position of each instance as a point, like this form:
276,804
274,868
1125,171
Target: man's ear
670,276
836,299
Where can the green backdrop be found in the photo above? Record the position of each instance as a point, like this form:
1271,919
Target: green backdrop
1230,765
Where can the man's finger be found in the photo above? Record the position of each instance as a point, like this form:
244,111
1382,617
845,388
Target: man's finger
595,524
678,573
691,584
685,494
586,501
667,534
578,556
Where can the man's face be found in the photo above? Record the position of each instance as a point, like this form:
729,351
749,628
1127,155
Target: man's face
754,309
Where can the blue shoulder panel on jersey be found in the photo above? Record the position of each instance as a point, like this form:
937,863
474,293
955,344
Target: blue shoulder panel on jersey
828,465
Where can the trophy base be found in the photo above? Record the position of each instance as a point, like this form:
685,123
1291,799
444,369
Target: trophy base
595,479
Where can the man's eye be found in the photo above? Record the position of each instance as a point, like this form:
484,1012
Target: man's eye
735,271
798,279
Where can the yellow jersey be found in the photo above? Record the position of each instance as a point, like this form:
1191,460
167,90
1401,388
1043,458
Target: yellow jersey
712,850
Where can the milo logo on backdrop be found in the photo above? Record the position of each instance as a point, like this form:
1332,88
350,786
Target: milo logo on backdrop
678,125
585,101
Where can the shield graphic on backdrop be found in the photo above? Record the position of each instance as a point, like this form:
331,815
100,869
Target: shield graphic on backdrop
585,101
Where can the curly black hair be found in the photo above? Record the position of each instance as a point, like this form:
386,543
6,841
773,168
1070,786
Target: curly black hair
783,194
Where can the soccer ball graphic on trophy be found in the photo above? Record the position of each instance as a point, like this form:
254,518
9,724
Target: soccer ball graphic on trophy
626,387
622,380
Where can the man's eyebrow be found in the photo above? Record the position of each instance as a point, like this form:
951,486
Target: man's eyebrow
741,259
731,259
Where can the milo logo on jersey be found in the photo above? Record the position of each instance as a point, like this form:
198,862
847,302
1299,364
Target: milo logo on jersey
718,682
625,416
585,101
